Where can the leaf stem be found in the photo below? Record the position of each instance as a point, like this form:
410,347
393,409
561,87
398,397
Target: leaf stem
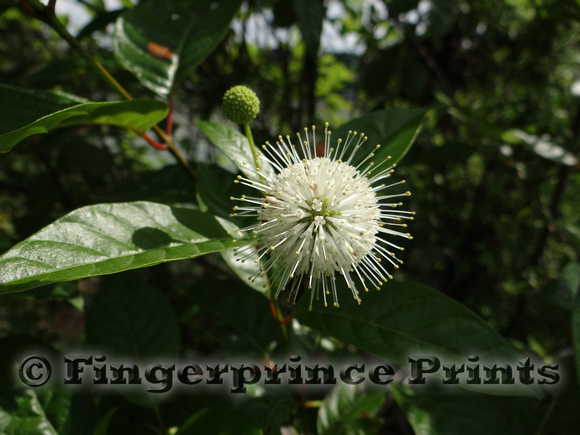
46,14
252,146
62,31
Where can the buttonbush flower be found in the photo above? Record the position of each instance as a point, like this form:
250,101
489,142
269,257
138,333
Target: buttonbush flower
319,215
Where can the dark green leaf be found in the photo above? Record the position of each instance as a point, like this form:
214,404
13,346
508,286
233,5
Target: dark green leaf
25,114
347,409
161,42
456,412
407,319
109,238
132,321
561,413
233,144
393,129
241,316
212,420
130,318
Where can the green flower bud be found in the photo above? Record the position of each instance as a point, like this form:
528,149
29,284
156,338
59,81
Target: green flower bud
241,105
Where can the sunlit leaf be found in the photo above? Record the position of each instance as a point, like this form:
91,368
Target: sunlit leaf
108,238
161,42
26,112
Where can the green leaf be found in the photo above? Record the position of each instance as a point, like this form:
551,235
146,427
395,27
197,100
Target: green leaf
214,188
109,238
250,330
24,113
234,145
478,414
45,410
393,129
411,320
212,420
130,318
29,418
347,409
161,42
132,321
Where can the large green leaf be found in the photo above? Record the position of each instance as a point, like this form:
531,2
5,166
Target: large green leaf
129,317
478,414
26,112
251,331
161,42
393,129
131,321
108,238
411,320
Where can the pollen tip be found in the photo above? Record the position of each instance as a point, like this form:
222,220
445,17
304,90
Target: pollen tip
408,193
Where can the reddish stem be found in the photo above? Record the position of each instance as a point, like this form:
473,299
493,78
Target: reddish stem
27,8
153,143
286,319
273,309
50,8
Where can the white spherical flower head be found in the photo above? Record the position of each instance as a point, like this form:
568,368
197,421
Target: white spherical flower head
320,215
